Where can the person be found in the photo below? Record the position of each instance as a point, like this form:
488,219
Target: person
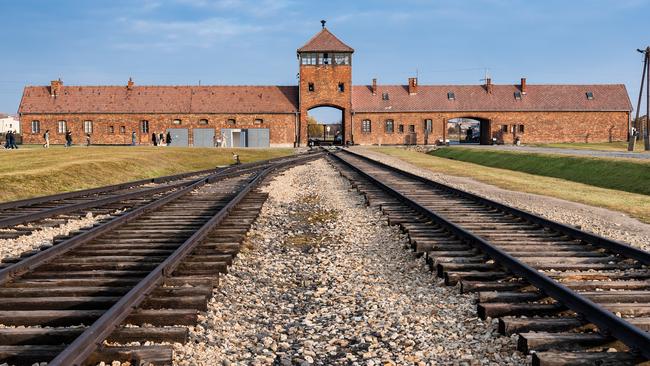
46,137
13,140
133,138
169,138
161,139
338,138
8,139
217,141
470,135
154,139
68,138
87,139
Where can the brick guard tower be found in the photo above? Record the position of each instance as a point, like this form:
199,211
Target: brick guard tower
325,79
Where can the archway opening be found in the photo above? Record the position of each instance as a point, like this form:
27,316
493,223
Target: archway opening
325,126
464,130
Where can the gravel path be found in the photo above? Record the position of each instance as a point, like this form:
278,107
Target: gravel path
608,223
324,280
563,151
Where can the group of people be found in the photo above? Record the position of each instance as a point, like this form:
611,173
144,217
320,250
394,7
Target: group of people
10,140
161,139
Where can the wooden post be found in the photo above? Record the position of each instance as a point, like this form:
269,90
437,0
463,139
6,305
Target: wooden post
636,123
647,96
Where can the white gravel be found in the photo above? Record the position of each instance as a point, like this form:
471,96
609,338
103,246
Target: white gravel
604,222
39,237
323,280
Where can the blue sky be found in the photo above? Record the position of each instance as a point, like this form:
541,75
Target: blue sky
95,42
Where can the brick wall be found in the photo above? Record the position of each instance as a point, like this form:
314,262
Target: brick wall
538,126
281,126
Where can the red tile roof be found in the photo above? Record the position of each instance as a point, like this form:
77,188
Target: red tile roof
474,98
161,99
325,41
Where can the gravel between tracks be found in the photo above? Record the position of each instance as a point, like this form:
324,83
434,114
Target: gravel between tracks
323,280
608,223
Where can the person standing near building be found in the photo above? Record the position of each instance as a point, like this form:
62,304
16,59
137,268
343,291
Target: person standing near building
8,139
12,141
46,137
87,139
133,138
154,138
68,138
161,139
169,138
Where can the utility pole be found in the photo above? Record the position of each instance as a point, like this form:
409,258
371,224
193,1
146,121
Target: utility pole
638,124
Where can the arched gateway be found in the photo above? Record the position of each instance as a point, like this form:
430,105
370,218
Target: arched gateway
325,80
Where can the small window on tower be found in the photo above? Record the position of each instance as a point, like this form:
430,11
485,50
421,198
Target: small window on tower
451,96
590,95
384,96
517,95
341,87
310,86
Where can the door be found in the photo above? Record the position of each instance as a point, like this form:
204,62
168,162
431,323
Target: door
258,137
203,137
236,138
179,136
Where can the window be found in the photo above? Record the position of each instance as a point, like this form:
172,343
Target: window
389,126
366,126
504,128
384,96
324,59
341,87
517,95
308,58
144,126
122,130
590,95
231,121
411,128
451,95
111,129
310,87
428,125
177,122
62,128
258,121
203,121
36,126
88,126
341,59
521,128
400,129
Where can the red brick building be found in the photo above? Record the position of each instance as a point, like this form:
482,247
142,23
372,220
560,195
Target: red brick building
260,116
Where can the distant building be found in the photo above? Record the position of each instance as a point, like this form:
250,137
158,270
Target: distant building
260,116
9,123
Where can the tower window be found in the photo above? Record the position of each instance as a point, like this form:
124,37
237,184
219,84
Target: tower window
341,87
341,59
384,96
451,95
310,86
590,95
390,126
308,58
325,59
366,126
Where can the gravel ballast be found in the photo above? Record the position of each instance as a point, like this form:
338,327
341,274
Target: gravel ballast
322,279
601,221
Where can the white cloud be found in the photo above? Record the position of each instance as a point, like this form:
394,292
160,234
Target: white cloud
257,8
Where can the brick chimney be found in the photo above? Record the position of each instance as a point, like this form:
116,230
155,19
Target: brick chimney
523,85
55,87
488,85
374,86
129,84
413,86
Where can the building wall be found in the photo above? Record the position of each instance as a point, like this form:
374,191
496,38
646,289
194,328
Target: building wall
326,79
281,126
538,126
9,123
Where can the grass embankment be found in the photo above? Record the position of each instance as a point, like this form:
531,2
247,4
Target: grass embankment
28,173
619,146
633,204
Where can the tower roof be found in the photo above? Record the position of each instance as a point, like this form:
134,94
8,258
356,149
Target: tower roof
325,41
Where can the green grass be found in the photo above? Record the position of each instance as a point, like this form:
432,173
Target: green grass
30,172
624,175
599,146
633,204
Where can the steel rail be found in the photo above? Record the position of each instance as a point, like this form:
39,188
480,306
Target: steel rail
87,192
635,338
77,352
593,239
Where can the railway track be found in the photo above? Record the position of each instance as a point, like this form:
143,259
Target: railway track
574,298
108,292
